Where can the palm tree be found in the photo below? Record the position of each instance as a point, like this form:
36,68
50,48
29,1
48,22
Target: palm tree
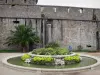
23,36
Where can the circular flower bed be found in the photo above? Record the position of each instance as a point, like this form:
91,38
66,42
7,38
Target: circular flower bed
51,51
51,56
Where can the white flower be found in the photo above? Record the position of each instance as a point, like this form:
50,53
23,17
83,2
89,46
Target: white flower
28,61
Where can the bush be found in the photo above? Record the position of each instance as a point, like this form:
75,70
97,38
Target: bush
50,51
72,59
85,50
23,35
61,51
52,45
44,51
9,51
42,60
38,51
25,56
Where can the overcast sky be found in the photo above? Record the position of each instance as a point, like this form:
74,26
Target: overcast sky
77,3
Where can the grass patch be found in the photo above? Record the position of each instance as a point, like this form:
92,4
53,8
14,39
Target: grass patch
85,50
9,51
16,51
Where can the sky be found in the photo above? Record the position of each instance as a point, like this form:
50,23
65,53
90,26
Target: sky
75,3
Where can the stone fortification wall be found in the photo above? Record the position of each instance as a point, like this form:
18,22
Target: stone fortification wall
69,25
19,2
53,12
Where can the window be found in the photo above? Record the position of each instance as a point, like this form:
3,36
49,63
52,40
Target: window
16,21
49,21
12,0
36,1
81,10
25,1
6,1
42,8
12,5
55,9
68,10
1,19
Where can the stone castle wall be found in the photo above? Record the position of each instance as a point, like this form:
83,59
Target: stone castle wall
19,2
67,25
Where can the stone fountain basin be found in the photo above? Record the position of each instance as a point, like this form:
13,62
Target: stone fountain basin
54,56
39,71
59,59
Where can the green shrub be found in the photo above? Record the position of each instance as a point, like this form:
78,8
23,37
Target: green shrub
85,50
61,51
9,51
42,60
50,51
44,51
25,56
38,51
52,45
72,59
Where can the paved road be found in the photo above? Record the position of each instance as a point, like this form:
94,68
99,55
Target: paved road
7,71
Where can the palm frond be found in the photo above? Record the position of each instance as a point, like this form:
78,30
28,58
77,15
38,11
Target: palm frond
22,35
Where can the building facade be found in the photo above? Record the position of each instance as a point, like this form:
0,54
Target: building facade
67,25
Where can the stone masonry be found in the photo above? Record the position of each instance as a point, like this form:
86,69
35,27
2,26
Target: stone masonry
67,25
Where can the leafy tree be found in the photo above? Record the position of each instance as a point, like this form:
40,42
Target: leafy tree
23,36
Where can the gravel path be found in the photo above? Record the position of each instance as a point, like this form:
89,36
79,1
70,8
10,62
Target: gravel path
7,71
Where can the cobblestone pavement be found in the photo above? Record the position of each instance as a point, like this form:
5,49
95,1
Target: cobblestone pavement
7,71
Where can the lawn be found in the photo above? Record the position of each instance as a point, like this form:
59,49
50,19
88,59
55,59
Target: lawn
9,51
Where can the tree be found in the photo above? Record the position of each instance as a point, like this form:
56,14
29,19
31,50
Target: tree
23,36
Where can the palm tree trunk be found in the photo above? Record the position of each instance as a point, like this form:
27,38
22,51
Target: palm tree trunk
25,49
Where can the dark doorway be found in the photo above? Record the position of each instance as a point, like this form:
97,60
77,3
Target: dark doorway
44,30
98,40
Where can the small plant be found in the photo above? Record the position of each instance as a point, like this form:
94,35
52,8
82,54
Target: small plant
42,60
72,59
52,45
62,51
44,51
38,51
51,51
25,56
